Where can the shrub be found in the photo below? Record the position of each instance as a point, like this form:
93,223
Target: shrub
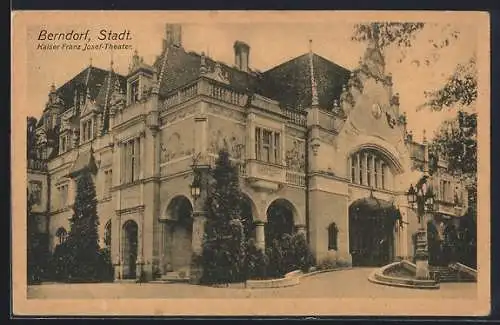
303,258
65,267
105,270
61,262
257,263
287,254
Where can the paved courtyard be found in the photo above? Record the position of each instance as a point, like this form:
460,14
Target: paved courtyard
340,284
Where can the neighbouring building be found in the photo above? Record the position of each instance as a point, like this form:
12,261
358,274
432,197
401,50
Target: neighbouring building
321,150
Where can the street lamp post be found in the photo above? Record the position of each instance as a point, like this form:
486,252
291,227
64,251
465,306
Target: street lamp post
421,198
199,192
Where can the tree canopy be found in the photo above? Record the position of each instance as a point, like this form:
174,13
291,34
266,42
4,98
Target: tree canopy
460,89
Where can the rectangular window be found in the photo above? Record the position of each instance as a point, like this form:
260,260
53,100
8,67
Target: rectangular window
131,160
87,131
83,132
63,144
276,148
375,171
35,190
353,169
369,170
382,175
267,146
108,181
64,195
134,91
258,139
361,170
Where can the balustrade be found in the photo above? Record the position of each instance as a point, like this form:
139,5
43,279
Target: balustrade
295,178
298,118
37,164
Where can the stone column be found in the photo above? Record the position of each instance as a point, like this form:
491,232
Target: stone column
199,218
196,270
115,246
140,253
260,239
161,248
301,229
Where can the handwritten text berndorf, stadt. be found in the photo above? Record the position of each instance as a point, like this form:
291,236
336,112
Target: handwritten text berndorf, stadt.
103,35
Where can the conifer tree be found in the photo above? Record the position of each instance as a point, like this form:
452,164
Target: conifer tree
83,239
224,247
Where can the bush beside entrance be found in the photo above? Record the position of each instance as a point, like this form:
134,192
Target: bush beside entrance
287,254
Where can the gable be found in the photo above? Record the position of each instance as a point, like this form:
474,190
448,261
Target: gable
374,113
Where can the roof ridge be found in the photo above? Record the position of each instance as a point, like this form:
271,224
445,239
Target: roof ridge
106,95
314,90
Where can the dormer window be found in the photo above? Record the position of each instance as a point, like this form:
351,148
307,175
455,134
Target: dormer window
134,91
87,130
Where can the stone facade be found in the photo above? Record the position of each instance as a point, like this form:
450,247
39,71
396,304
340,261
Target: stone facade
340,139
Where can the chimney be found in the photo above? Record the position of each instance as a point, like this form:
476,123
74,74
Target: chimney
173,36
241,55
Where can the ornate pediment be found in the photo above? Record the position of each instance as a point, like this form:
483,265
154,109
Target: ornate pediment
117,101
218,74
41,137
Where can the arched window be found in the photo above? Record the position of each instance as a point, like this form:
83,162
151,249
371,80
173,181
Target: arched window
107,234
369,168
332,236
61,235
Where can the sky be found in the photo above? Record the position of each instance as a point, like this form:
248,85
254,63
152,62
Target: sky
271,44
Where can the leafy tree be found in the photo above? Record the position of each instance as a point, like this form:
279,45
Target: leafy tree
224,247
460,89
456,140
461,86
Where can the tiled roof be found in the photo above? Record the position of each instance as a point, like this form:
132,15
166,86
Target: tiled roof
92,78
290,82
104,95
184,67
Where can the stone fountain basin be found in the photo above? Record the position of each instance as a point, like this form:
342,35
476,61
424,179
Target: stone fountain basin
401,274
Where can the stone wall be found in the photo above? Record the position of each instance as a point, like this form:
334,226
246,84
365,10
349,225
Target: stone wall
325,208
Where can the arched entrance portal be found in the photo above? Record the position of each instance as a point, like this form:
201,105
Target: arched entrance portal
279,220
371,231
129,253
177,236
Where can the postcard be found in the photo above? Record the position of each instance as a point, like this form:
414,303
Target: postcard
253,163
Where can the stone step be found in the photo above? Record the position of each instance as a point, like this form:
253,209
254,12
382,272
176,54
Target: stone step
447,274
175,277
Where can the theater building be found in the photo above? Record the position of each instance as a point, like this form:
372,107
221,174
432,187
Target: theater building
321,150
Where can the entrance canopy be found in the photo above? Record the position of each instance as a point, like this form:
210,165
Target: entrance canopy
374,208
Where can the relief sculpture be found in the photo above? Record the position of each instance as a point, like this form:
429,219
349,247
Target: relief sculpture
295,158
219,141
174,148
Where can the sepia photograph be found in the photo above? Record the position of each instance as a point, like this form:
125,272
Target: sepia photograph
250,163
